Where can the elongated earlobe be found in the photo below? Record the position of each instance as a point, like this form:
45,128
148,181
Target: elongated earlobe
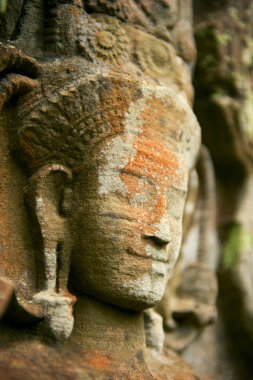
49,207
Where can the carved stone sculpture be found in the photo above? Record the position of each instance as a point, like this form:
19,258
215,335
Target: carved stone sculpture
97,123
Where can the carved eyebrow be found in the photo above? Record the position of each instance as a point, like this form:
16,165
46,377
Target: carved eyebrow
117,215
176,191
137,174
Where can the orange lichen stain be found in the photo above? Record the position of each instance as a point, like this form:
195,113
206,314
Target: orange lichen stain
155,164
120,94
72,299
154,160
131,182
69,295
98,361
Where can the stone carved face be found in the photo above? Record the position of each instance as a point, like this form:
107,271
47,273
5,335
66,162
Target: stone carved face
130,146
127,225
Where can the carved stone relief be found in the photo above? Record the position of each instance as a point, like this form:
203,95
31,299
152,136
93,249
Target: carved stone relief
100,137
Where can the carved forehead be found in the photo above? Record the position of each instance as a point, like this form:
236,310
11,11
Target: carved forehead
167,117
88,110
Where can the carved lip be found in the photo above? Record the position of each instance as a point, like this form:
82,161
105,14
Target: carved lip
161,259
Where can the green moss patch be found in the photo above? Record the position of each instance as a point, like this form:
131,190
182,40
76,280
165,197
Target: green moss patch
238,240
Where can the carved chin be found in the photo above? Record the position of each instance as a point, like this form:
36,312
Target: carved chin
141,293
148,290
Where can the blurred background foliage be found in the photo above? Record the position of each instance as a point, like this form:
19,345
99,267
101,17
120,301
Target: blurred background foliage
3,6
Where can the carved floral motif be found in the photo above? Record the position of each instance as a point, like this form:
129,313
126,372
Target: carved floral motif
103,38
154,56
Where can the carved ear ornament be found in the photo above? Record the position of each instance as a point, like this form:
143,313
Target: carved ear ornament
46,195
53,306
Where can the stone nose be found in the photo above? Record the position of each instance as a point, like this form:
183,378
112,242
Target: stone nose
161,234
